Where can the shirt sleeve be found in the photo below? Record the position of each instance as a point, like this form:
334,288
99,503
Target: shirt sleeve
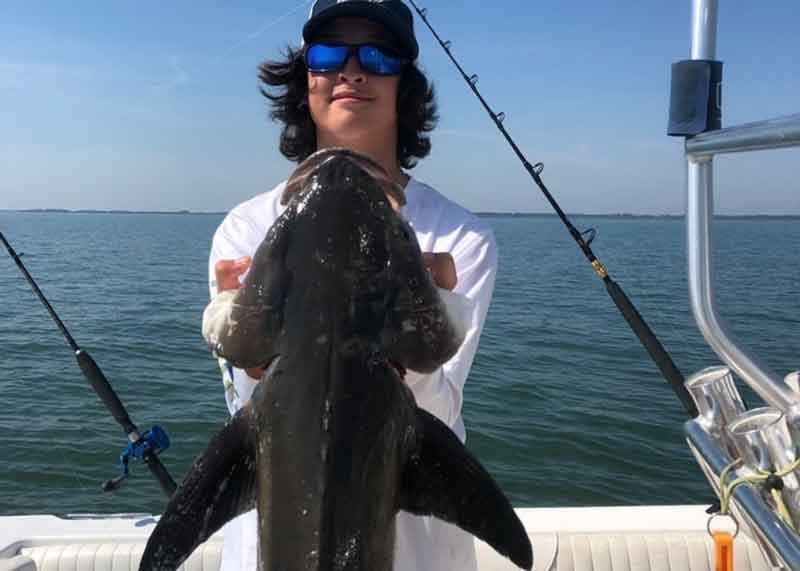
441,392
235,238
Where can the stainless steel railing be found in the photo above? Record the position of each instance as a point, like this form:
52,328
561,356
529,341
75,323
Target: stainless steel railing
762,135
784,132
765,439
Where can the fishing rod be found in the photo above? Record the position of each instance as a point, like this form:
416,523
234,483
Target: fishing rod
143,446
636,322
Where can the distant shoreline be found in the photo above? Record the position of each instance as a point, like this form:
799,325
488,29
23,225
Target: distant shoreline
621,216
625,216
99,211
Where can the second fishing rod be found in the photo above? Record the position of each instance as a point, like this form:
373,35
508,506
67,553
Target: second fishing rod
654,348
145,446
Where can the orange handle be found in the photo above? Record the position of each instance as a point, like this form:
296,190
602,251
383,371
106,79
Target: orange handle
723,551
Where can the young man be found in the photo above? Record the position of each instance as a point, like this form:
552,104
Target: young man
355,84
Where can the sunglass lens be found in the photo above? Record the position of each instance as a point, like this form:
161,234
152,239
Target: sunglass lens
375,61
321,57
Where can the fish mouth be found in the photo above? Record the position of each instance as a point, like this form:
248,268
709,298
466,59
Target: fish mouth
299,179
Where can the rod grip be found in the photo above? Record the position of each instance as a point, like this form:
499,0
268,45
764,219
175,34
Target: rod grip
101,386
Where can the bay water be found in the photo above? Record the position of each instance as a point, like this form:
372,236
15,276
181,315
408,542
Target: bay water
562,405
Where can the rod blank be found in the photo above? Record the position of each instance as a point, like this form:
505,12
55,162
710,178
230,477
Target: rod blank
655,349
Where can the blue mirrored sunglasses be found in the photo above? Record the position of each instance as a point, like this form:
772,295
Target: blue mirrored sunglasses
373,59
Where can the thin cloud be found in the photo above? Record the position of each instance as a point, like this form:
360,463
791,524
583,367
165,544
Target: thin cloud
181,76
252,36
178,77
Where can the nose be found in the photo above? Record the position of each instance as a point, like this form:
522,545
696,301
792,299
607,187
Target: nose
352,71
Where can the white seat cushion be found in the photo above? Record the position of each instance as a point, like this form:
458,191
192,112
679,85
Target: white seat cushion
113,557
672,551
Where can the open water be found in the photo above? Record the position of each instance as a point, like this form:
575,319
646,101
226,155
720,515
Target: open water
563,406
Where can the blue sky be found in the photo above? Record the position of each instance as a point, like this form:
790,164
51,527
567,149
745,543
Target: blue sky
154,105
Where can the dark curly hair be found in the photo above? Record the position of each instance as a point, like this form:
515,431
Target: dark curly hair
288,80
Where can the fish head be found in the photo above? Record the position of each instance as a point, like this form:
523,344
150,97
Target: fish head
342,257
347,211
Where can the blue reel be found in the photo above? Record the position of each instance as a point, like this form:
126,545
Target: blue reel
154,441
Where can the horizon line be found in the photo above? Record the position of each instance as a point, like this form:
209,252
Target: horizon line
485,213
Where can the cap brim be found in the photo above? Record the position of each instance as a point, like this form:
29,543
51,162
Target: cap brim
370,11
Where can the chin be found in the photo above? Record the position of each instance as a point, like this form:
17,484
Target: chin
355,128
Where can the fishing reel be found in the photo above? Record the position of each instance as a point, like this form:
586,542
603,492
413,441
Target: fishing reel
152,443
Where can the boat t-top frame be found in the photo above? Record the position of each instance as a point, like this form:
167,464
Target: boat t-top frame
700,152
725,437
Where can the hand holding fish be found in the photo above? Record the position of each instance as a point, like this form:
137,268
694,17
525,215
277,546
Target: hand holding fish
442,268
227,273
439,264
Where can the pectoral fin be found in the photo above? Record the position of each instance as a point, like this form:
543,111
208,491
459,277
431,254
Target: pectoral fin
442,478
219,486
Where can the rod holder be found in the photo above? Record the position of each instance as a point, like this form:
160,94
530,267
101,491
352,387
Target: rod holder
718,403
778,542
764,442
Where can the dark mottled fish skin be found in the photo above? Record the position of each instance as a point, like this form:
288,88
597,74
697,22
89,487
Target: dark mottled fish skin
333,444
340,245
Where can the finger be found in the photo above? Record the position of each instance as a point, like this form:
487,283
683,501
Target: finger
447,278
255,372
227,272
442,268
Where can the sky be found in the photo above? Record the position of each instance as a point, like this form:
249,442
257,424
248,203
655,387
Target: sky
155,105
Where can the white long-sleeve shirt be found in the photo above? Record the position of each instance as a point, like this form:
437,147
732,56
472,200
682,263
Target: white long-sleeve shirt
441,225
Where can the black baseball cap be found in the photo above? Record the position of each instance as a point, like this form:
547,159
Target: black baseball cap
394,15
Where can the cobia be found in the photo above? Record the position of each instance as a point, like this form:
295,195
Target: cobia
332,445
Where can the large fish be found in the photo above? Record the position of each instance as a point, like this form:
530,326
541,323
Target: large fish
332,444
